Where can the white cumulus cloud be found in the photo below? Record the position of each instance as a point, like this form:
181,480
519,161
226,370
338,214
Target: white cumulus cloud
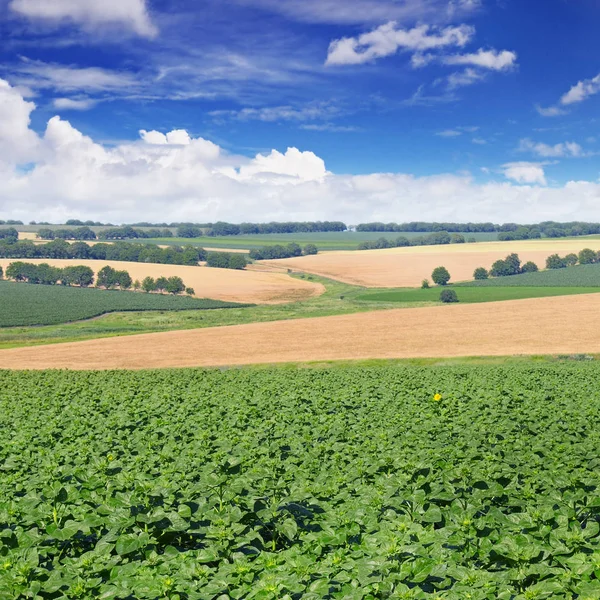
493,60
581,91
547,151
525,172
389,39
91,14
62,173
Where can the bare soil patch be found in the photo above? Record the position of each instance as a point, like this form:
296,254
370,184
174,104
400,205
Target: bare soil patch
560,325
219,284
407,267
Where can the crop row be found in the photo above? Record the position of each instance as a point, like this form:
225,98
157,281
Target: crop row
455,483
32,304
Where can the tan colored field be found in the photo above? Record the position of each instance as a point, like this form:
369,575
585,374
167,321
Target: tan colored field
27,235
218,284
407,267
560,325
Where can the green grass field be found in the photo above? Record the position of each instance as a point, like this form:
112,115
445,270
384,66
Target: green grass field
578,276
358,483
25,304
471,294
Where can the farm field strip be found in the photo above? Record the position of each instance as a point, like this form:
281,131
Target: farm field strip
218,284
34,305
541,326
355,483
471,294
407,267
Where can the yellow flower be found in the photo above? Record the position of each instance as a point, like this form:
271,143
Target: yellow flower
437,397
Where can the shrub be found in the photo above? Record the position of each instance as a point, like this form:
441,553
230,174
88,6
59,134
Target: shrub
529,267
555,262
457,238
587,257
237,261
425,284
310,249
480,274
440,276
190,291
448,296
1,273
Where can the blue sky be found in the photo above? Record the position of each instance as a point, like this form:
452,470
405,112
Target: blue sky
392,109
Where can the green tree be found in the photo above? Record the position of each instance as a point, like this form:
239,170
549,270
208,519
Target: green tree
190,291
1,273
123,280
555,262
440,276
587,257
457,238
137,285
107,278
448,296
480,274
425,284
310,249
161,284
529,267
175,285
237,261
79,275
571,259
149,285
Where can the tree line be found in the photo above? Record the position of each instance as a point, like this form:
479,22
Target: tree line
120,251
82,276
279,251
433,239
511,265
506,231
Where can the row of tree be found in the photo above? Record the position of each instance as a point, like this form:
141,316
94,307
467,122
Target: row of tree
82,276
226,260
433,239
279,251
507,231
115,233
511,265
120,251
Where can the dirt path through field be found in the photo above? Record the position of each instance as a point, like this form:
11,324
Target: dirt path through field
252,287
407,267
560,325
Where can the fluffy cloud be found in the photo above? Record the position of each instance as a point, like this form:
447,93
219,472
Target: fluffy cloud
582,91
525,172
546,151
389,38
464,78
176,177
485,59
91,14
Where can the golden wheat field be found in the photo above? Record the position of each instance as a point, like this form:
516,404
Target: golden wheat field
407,267
219,284
559,325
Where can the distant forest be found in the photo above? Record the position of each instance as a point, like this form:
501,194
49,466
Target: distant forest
75,229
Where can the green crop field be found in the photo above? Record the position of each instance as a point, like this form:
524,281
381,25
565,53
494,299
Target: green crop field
24,304
472,294
346,240
579,276
275,484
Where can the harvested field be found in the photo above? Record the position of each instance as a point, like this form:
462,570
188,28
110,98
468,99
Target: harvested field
407,267
218,284
560,325
27,235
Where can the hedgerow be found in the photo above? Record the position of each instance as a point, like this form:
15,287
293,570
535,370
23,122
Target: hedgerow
458,483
